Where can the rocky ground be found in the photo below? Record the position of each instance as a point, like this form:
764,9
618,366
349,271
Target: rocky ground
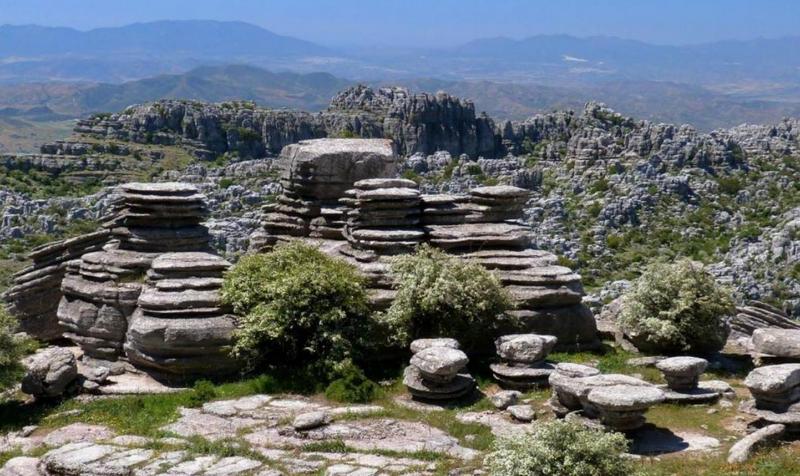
244,431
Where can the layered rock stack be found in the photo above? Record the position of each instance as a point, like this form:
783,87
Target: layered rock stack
758,315
614,401
315,174
437,372
36,290
180,326
775,345
683,380
776,395
523,365
384,216
101,290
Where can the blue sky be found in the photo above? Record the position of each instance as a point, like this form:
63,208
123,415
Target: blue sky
438,22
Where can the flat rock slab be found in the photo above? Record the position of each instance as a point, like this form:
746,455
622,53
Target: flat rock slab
368,435
422,344
777,342
500,424
78,433
130,383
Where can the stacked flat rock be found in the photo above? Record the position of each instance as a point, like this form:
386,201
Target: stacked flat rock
384,217
547,296
437,373
563,400
160,218
523,365
758,315
622,407
775,387
180,326
315,174
617,401
99,295
442,209
33,299
499,203
101,290
683,380
774,345
776,396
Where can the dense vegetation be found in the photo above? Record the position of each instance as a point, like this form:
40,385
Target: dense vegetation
299,307
676,308
12,349
560,448
442,296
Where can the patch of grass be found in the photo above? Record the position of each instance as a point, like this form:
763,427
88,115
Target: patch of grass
778,462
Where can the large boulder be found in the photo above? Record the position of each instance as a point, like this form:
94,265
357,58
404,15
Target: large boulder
325,168
49,372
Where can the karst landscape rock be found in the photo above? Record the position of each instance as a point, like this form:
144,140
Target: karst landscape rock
136,345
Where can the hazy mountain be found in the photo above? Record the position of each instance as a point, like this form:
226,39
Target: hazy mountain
140,50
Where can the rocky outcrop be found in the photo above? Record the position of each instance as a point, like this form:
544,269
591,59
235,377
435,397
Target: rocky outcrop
102,288
417,122
36,290
314,175
180,326
757,315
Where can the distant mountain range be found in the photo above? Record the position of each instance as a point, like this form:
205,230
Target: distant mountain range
659,101
49,74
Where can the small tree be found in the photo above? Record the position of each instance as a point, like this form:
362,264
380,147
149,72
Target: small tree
442,296
676,307
299,308
12,349
560,448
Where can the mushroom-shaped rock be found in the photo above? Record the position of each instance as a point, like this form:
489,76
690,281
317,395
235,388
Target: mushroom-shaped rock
622,407
775,387
422,344
524,348
439,364
682,373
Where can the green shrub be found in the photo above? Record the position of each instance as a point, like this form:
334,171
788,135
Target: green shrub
203,391
12,349
442,296
299,307
560,448
675,308
352,387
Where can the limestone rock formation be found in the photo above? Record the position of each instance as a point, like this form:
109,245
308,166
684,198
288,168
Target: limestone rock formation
437,374
523,365
102,288
180,327
36,292
776,396
756,315
776,345
49,372
314,175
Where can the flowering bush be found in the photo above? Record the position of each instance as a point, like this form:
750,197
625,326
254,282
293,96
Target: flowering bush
442,296
676,307
298,308
560,448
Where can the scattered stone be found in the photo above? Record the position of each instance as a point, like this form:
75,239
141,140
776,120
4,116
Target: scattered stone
505,398
523,413
311,420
